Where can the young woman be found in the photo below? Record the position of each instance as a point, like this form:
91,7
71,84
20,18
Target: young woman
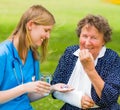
19,60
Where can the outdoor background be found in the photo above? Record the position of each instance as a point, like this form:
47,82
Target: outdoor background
67,14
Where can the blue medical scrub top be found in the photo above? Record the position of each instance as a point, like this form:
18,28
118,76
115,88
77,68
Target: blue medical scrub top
7,76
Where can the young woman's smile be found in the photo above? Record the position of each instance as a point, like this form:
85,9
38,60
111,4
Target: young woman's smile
39,33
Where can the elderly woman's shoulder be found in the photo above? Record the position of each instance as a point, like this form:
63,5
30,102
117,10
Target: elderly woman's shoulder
111,56
110,52
72,48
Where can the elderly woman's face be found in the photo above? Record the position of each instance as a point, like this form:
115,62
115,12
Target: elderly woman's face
91,39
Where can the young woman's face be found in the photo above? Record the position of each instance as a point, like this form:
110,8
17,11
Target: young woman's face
39,33
91,39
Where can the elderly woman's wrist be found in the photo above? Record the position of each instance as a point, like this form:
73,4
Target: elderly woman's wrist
90,71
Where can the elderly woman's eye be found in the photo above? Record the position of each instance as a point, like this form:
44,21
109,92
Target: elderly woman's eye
46,30
94,38
84,36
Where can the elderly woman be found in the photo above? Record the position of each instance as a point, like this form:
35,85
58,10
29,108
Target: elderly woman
91,68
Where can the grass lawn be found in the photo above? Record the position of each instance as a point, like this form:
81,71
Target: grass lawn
67,14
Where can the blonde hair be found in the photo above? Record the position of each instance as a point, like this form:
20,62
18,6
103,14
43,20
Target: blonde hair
39,15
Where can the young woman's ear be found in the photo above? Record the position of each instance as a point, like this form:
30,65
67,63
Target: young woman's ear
29,25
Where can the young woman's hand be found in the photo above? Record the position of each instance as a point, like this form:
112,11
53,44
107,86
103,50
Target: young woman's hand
61,87
40,87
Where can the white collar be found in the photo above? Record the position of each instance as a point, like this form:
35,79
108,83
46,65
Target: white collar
101,54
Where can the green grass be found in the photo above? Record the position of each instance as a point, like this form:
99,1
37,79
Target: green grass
67,14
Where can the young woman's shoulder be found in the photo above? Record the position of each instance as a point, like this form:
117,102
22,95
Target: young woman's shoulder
5,47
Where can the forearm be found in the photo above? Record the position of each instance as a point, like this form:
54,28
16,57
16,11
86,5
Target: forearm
73,97
35,96
97,82
11,93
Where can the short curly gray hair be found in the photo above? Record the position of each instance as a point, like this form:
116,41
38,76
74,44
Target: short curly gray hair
99,22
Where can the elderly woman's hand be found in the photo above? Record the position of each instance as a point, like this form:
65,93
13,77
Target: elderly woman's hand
87,102
87,60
